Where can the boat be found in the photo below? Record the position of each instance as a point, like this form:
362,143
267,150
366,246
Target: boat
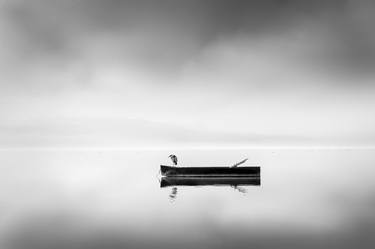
173,171
209,181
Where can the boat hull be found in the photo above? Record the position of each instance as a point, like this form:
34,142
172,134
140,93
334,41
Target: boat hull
209,171
209,181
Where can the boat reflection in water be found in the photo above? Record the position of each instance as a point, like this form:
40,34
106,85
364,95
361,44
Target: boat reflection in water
237,183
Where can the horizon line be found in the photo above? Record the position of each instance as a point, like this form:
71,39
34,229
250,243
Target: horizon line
205,147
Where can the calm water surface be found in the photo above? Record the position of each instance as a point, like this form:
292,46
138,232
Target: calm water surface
112,199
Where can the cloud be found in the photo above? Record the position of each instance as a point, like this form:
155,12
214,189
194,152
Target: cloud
164,34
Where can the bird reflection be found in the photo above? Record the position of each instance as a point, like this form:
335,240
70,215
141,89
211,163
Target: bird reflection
173,194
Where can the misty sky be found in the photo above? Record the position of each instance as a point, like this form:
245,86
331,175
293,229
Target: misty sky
197,71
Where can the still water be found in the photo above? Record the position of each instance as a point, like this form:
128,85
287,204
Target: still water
113,199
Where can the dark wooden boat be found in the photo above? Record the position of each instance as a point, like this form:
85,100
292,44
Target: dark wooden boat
209,171
209,181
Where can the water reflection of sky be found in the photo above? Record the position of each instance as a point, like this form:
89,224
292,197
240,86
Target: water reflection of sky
112,199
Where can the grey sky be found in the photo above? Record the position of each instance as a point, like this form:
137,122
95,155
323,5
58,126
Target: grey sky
171,32
257,67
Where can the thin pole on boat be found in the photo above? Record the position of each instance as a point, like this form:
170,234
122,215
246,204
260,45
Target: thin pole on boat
239,163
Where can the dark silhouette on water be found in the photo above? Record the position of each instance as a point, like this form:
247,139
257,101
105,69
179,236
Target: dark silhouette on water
232,176
210,171
209,181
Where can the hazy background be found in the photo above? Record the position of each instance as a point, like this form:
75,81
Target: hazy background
95,94
90,73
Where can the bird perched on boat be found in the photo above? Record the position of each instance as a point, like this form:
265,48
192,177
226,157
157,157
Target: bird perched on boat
173,158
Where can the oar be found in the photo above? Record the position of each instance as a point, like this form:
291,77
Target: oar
239,163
